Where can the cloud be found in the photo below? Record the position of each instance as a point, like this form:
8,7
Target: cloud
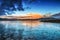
10,5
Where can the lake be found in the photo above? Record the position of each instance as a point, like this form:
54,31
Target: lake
29,30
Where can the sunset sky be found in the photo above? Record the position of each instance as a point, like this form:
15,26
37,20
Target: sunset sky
33,6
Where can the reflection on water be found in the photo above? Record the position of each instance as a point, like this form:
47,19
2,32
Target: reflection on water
29,30
31,23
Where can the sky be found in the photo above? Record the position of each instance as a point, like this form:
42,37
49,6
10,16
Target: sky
9,7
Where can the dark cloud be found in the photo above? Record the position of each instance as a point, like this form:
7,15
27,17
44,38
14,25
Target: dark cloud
10,5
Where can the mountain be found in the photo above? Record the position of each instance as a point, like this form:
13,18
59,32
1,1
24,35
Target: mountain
53,18
56,16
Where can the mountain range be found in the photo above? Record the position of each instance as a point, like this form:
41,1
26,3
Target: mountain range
52,18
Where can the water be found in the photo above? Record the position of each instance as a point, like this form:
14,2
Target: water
29,30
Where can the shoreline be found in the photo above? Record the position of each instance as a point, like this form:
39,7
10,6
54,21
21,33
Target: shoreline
41,20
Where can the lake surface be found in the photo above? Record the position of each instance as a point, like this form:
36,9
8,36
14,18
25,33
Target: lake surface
29,30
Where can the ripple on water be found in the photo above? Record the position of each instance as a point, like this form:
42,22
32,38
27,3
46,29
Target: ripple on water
35,30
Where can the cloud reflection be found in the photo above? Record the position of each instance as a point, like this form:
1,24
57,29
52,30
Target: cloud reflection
31,23
36,31
25,23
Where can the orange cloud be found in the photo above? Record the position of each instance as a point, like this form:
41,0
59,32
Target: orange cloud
34,16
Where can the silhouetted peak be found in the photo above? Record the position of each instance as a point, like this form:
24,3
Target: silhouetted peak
58,14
